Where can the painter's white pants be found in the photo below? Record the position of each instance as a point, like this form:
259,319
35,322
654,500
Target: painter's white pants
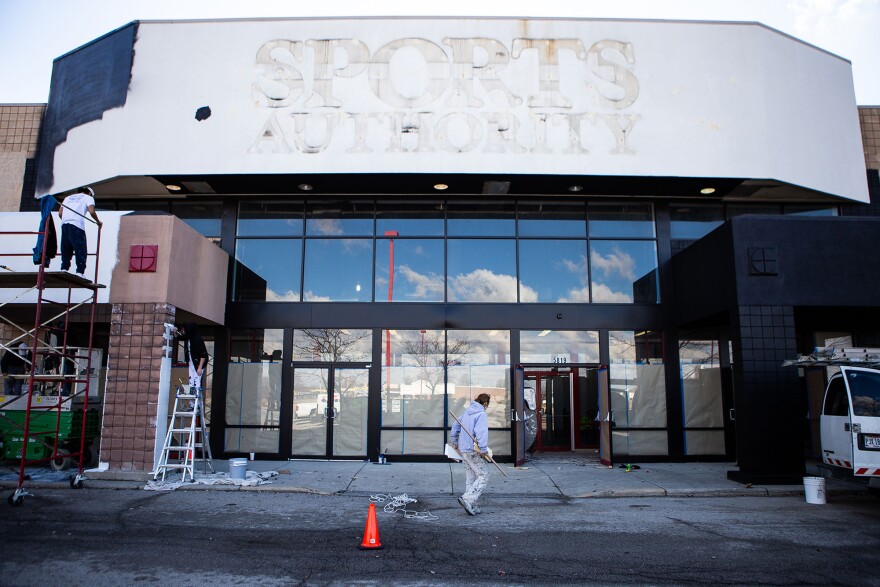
476,476
195,380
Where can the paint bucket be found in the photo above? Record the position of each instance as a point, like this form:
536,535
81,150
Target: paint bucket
238,469
814,489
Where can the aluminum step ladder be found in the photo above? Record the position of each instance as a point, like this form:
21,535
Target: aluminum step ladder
187,437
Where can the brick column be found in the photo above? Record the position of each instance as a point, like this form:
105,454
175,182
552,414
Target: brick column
131,396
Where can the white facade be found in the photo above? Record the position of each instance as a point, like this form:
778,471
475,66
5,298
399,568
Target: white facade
488,96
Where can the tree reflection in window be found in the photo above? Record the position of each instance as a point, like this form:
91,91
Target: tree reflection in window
332,345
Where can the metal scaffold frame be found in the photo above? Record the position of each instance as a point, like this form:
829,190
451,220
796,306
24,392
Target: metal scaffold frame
55,367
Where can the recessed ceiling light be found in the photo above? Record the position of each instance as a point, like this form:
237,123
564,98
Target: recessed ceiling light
173,188
440,186
306,187
707,191
575,188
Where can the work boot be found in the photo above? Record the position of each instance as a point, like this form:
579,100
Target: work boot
468,507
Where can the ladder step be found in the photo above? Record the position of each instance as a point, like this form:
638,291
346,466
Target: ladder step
178,430
186,396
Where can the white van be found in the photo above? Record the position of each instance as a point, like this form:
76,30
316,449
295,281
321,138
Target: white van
850,423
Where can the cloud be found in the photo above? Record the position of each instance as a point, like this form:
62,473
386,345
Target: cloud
313,297
617,262
576,296
424,287
327,226
483,285
604,294
288,296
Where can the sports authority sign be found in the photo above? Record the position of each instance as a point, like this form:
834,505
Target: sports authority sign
445,95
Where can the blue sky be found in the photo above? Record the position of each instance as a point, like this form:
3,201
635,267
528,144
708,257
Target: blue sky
34,32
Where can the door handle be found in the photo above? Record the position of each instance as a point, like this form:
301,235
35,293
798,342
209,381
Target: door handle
846,427
732,414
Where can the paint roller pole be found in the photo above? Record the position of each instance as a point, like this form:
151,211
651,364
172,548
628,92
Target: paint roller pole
487,456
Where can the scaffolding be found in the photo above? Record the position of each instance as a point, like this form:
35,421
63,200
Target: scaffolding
50,421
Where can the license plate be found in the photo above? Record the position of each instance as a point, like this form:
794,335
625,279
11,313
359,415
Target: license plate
872,441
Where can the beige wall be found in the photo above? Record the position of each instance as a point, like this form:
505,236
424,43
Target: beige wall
19,137
869,120
191,271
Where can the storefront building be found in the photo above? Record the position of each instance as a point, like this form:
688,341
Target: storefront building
617,229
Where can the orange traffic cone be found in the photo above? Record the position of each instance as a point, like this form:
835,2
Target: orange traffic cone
371,532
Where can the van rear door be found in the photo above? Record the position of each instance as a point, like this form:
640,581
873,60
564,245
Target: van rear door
835,424
863,386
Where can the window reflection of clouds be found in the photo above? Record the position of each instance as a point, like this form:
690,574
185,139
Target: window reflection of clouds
339,226
623,269
418,270
482,271
275,263
555,270
338,270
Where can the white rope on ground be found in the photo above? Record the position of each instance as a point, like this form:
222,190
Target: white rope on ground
399,503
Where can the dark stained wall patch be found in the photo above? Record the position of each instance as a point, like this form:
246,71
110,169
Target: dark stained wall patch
203,113
85,83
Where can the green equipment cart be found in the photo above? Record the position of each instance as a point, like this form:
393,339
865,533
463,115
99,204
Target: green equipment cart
48,424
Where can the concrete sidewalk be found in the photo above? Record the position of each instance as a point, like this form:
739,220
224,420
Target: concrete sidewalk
553,477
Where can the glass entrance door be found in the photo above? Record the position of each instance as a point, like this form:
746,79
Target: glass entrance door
330,411
553,399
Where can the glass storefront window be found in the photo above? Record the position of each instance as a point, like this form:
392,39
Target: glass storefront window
204,217
270,219
552,219
480,219
332,345
693,222
553,271
479,362
253,390
413,380
338,270
624,272
418,270
340,219
559,346
810,210
734,210
621,220
638,393
700,365
267,270
481,270
410,218
431,372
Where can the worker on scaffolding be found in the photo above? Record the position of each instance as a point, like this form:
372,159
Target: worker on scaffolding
73,228
194,351
15,363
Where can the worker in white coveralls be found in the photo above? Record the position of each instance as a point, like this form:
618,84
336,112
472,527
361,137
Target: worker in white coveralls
73,228
473,455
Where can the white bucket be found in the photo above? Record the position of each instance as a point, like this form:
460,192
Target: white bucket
238,469
814,489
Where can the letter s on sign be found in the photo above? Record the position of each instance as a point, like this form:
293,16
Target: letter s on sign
613,72
281,82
